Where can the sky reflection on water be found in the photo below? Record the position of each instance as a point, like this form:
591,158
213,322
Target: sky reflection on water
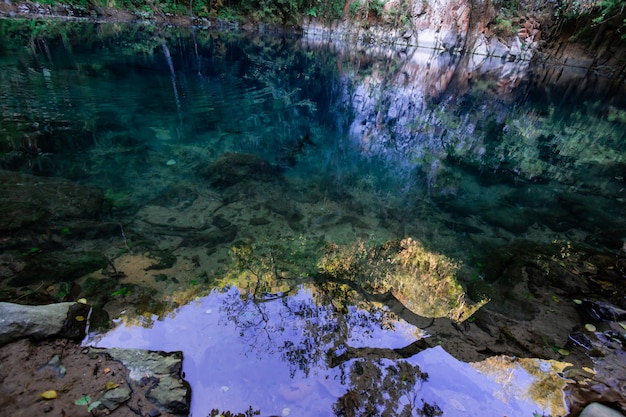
272,356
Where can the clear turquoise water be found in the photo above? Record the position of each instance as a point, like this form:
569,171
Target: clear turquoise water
400,147
471,165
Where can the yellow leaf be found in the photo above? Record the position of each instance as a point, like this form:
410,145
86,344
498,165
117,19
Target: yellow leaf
111,385
563,352
48,395
79,318
82,301
106,370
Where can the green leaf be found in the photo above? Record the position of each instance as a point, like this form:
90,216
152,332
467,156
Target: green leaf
84,400
93,405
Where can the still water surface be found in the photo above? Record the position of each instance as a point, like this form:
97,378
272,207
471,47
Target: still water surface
283,147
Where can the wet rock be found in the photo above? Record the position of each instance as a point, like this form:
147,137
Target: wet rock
28,199
259,221
602,311
114,398
164,259
163,369
232,168
220,222
599,410
180,197
285,208
513,220
59,266
211,238
19,321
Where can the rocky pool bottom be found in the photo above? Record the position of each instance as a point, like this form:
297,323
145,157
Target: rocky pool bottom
558,301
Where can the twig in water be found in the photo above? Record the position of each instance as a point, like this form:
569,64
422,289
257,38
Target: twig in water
124,238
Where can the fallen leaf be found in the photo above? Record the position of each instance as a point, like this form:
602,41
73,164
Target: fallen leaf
563,352
577,301
93,405
590,327
48,395
106,370
84,400
79,318
82,301
111,385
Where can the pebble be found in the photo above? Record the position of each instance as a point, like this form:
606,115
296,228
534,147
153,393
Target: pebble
154,413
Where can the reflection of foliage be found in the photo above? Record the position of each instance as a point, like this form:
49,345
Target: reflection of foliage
384,388
249,413
424,281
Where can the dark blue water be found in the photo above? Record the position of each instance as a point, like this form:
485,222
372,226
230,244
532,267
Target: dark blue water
257,161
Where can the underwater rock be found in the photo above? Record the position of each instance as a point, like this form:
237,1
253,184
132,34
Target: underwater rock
514,220
28,199
211,238
59,266
259,221
163,259
232,168
179,196
285,208
19,321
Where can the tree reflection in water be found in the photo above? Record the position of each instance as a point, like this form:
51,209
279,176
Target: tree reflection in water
313,335
384,388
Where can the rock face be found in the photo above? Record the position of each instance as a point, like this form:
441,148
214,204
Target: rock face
19,321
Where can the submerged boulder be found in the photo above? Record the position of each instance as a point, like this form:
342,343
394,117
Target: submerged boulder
60,266
232,168
28,199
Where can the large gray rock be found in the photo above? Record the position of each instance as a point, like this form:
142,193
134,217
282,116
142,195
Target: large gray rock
599,410
19,321
160,370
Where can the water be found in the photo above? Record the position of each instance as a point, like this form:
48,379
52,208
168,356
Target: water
273,356
308,175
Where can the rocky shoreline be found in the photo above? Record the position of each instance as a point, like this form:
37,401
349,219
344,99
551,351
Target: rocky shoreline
45,370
